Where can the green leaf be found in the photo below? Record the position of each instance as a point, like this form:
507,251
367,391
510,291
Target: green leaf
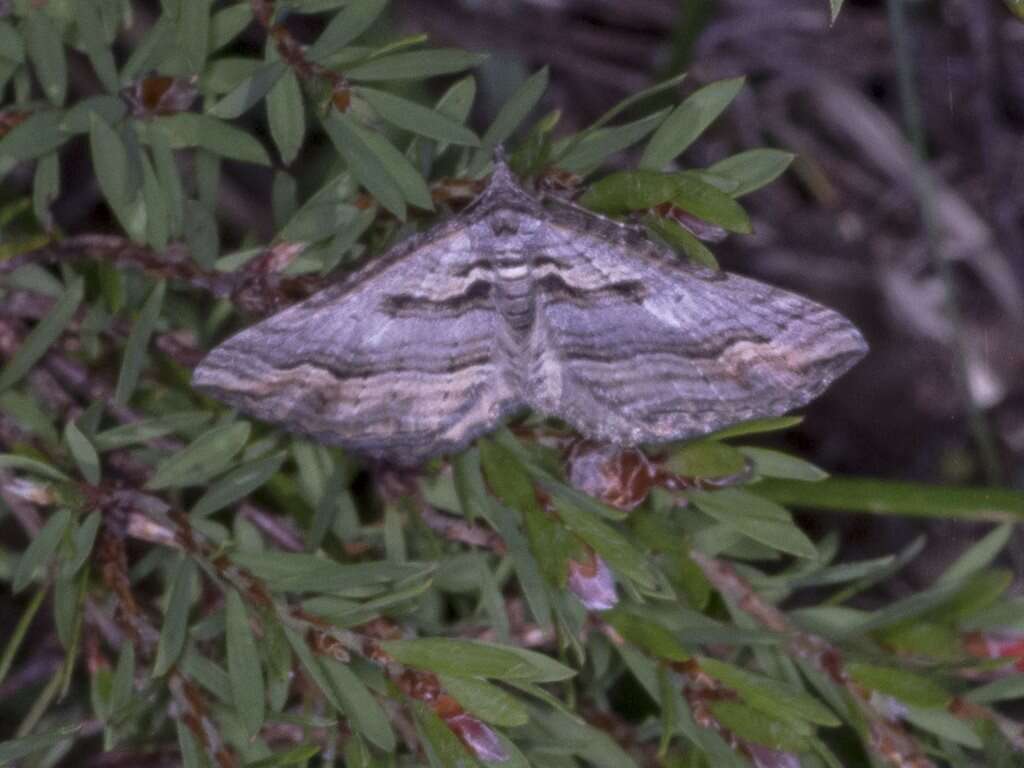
471,658
1003,689
486,701
40,549
416,118
83,452
15,749
123,683
756,427
550,542
646,634
456,104
187,130
78,118
979,555
110,162
201,234
617,110
294,572
11,46
945,725
757,518
619,553
205,457
705,459
688,121
773,697
250,91
696,196
359,705
409,181
227,23
907,687
138,341
42,337
512,113
45,189
769,463
169,179
416,65
286,114
885,497
753,169
369,169
354,20
158,224
26,464
83,539
45,45
175,626
627,191
244,667
193,34
754,725
238,483
101,56
300,755
39,135
149,429
443,747
590,152
682,241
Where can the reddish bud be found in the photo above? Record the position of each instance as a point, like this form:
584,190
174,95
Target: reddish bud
699,228
762,757
593,583
620,478
478,737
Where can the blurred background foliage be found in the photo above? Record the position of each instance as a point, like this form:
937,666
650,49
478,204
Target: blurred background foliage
189,588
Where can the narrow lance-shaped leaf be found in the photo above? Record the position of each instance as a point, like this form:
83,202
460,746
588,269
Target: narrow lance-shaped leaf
100,54
40,549
510,116
175,626
345,27
208,455
477,659
250,91
244,666
416,118
138,340
83,452
364,164
46,332
688,121
45,46
287,116
752,169
415,65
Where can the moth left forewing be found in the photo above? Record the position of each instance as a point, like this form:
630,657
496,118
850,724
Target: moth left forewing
368,365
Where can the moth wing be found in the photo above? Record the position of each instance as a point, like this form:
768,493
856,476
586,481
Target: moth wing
688,351
367,365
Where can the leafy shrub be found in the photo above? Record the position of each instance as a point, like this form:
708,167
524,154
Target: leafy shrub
233,595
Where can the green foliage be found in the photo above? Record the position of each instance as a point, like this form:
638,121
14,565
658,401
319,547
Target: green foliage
248,598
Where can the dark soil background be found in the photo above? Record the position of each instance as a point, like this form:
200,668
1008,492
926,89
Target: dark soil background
845,225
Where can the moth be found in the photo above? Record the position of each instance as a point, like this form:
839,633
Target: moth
529,301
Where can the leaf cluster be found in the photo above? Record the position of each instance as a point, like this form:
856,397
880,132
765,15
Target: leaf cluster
246,598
